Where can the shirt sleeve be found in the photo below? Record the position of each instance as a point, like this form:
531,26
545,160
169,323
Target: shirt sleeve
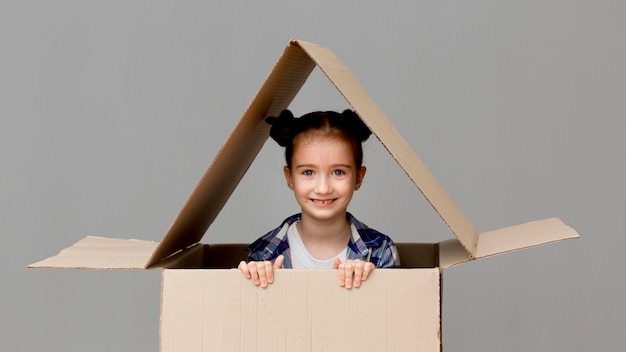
385,256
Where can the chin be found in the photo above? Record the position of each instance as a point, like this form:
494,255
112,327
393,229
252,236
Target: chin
325,215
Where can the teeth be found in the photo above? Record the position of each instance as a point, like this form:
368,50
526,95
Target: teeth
324,202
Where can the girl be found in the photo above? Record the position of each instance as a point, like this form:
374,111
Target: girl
324,167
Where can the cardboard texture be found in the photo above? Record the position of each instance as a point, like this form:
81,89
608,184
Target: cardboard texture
301,311
213,309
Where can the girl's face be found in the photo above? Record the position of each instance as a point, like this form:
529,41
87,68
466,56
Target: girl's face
323,176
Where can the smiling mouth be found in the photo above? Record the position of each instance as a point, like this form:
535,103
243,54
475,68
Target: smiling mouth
322,201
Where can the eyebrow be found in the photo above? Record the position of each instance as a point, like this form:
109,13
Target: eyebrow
347,166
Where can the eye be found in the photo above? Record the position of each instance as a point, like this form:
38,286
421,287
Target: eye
307,172
338,173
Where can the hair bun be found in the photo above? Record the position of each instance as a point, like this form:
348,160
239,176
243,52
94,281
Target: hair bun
282,127
357,126
285,127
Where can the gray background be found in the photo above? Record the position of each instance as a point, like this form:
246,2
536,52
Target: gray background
111,111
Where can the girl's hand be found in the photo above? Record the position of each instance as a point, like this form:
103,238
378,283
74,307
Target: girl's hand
261,273
352,272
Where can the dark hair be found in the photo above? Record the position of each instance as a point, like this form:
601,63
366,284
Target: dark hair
347,124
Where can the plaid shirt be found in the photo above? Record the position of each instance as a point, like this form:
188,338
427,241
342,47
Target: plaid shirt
365,244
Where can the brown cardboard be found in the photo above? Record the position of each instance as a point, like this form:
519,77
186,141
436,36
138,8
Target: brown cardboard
101,253
301,311
218,309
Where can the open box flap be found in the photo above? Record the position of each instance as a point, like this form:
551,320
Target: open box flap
506,240
523,236
101,253
237,154
281,86
391,139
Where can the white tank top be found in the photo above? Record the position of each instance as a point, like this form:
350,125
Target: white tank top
300,256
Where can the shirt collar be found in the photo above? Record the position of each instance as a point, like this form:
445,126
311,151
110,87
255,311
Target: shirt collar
357,248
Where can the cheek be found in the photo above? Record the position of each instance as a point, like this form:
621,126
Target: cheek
301,185
345,186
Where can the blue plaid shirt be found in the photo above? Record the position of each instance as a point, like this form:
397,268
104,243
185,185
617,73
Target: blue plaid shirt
365,244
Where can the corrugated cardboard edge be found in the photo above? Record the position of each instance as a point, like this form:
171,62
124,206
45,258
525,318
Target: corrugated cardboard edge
94,252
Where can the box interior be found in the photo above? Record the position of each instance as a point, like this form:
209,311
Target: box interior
226,256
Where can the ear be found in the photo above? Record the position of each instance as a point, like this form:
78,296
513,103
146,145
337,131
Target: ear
288,177
360,175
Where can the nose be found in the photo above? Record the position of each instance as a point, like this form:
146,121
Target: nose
323,185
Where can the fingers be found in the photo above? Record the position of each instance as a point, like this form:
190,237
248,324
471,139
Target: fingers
278,263
348,269
345,270
336,263
243,266
266,273
341,272
367,269
254,273
261,273
358,273
351,273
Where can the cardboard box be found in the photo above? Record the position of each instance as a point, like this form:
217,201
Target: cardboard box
213,308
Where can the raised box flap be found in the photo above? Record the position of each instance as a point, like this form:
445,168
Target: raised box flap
101,253
237,154
507,239
279,89
391,139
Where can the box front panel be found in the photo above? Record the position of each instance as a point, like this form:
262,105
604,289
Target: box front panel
304,310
